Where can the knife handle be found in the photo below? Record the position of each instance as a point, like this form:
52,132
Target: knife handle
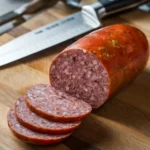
114,6
8,17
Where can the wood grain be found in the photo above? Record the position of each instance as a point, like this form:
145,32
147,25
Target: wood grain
122,123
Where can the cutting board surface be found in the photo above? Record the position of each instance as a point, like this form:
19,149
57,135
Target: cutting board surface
122,123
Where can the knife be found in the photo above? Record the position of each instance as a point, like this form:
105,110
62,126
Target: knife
62,30
78,4
28,8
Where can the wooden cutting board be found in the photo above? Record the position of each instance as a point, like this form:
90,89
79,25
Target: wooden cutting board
122,123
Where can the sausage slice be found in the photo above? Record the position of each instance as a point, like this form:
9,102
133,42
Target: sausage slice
56,105
35,122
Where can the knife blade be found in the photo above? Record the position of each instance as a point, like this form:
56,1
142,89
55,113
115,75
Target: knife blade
62,30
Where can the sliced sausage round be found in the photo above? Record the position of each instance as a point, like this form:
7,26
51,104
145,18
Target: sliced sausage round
35,122
97,65
30,136
56,105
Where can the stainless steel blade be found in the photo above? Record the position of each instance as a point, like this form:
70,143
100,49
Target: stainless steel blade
50,35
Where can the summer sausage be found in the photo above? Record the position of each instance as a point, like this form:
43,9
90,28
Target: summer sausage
56,105
33,121
30,136
97,65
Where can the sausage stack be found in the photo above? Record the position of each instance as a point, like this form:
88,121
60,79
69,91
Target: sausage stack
82,77
46,116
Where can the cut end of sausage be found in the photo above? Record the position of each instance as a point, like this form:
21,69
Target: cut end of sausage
56,105
35,122
80,74
30,136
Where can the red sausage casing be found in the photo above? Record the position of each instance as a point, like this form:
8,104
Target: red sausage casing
97,65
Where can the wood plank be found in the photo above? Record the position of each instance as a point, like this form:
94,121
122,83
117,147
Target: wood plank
138,18
122,123
20,77
126,114
60,13
8,96
106,134
38,21
137,94
18,31
77,144
5,38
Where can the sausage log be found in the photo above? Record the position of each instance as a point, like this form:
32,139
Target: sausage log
99,64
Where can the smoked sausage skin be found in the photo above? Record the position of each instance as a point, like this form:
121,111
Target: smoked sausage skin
117,52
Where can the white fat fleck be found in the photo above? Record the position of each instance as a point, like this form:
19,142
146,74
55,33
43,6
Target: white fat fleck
94,62
49,111
17,103
29,94
92,98
105,89
67,88
53,67
73,76
32,113
84,51
38,92
94,77
65,63
100,77
64,54
85,89
64,113
82,62
58,77
17,125
88,74
66,71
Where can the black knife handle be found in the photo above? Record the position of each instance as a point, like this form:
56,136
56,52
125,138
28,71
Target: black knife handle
8,17
119,5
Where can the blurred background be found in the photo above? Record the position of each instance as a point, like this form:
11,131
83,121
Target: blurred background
10,18
8,5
